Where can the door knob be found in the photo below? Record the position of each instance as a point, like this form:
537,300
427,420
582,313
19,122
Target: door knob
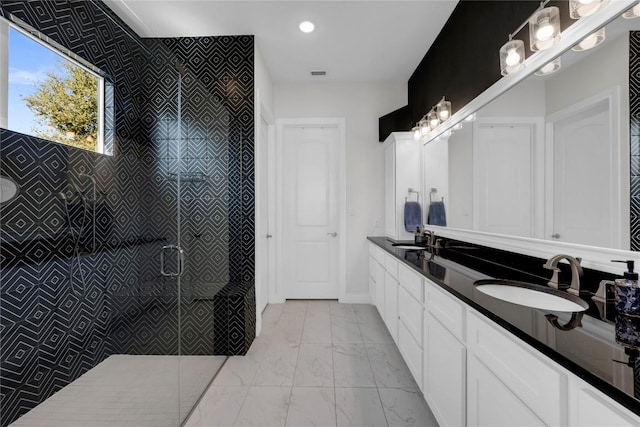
334,234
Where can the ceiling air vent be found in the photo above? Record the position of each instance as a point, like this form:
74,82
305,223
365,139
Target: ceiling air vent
318,73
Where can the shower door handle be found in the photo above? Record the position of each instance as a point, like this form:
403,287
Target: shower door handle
180,260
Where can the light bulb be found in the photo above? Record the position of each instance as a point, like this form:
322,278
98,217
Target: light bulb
416,133
433,123
424,128
549,68
444,115
306,26
513,57
634,12
589,42
581,8
545,31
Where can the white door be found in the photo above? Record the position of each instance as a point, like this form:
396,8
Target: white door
310,202
503,167
264,232
583,179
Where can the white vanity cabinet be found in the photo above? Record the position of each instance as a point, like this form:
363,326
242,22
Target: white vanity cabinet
444,379
402,171
472,372
410,320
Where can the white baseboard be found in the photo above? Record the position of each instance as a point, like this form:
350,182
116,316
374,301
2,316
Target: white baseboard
356,299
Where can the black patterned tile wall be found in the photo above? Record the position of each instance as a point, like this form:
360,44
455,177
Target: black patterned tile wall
61,314
634,131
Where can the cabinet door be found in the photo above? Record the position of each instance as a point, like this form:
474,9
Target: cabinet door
490,403
444,374
411,352
391,305
379,277
529,376
592,408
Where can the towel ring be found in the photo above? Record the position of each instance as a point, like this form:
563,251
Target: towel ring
434,191
417,193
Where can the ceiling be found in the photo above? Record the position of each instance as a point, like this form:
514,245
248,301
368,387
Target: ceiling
354,40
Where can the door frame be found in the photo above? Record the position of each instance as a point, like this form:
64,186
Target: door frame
617,201
277,290
264,209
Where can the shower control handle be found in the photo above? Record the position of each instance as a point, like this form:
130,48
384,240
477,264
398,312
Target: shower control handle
180,260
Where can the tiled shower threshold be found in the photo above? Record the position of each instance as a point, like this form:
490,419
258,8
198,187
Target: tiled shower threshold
128,391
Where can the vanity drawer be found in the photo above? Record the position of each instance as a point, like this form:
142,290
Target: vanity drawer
376,253
445,308
391,265
411,281
411,312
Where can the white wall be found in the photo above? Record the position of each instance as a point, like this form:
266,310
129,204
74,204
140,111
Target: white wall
263,82
361,104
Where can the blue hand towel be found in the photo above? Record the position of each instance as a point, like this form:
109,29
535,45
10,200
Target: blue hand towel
412,216
437,215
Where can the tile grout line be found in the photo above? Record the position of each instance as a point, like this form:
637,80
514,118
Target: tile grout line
375,380
295,369
333,370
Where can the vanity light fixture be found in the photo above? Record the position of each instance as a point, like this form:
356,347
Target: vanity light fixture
306,26
581,8
432,118
549,68
416,132
424,128
544,28
634,12
590,41
443,108
511,57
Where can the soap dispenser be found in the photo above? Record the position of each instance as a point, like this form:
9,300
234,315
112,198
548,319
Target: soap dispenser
627,293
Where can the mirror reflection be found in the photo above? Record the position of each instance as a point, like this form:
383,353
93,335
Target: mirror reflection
550,158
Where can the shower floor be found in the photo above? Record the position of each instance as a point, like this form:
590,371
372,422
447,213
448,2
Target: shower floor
125,390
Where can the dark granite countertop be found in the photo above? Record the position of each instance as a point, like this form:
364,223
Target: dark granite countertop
591,351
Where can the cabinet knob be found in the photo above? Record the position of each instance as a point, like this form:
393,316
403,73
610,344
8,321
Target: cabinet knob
555,236
334,234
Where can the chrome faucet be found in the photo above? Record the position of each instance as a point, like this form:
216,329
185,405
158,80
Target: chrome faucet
432,238
576,274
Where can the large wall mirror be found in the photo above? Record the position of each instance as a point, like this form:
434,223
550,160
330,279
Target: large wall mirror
550,158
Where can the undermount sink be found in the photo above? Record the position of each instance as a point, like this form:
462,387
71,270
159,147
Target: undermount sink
408,246
530,295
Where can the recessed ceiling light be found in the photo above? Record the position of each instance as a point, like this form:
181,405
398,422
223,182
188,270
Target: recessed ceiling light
306,26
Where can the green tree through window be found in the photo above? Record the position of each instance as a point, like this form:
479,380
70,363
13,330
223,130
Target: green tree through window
66,104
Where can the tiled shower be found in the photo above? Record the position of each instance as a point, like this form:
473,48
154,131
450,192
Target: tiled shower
181,171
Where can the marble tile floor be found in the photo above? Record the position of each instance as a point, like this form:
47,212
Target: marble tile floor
128,391
316,363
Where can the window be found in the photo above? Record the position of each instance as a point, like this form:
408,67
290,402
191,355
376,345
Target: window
50,94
